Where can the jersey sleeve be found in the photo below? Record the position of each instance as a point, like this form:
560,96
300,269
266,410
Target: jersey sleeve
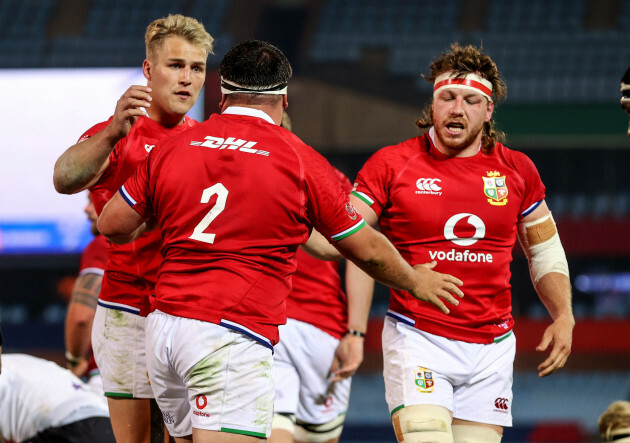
113,156
373,182
93,130
136,190
346,185
94,257
328,204
534,192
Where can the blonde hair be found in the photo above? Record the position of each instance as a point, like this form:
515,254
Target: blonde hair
176,25
462,60
617,416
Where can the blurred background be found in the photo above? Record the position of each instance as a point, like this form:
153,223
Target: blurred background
357,87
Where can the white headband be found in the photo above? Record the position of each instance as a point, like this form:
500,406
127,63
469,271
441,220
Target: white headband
228,87
470,81
620,435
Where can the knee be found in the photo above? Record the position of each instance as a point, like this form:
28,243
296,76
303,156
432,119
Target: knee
423,423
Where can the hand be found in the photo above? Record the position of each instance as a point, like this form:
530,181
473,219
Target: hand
129,108
348,357
434,285
79,369
560,335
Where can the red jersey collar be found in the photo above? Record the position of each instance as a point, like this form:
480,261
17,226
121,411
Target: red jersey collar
251,112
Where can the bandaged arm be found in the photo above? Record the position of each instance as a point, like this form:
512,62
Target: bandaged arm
548,266
541,243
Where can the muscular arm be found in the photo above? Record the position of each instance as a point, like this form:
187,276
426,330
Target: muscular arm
79,319
82,164
318,247
359,291
554,290
377,257
428,285
119,222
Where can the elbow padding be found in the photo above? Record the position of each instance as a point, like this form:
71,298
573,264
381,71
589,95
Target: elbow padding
542,246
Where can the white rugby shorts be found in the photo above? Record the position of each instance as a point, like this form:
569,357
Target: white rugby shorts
209,377
119,351
472,380
302,362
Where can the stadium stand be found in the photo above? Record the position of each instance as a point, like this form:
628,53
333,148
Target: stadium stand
547,54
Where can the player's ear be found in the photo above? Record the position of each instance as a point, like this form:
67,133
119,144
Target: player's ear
489,111
146,69
285,101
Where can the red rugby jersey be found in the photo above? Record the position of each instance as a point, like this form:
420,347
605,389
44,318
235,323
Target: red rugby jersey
93,261
94,256
234,198
461,212
317,297
131,270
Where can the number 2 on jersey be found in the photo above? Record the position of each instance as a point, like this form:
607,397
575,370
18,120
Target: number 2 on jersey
219,206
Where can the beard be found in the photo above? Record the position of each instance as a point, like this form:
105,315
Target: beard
460,141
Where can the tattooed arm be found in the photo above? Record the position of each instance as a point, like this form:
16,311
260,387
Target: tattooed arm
79,320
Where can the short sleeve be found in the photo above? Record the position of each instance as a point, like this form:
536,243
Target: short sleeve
345,181
136,190
94,257
534,191
328,204
373,182
95,130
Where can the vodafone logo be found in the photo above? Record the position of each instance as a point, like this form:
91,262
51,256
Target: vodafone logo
449,229
429,186
466,255
202,401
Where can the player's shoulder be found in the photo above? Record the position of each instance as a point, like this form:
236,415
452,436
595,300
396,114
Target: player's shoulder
400,152
513,157
94,129
291,142
289,137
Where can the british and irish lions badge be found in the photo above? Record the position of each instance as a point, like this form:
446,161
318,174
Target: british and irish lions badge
495,188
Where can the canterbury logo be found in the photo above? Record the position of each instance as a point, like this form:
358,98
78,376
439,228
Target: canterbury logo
501,403
429,184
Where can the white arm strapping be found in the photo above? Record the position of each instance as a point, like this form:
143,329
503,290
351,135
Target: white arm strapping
542,246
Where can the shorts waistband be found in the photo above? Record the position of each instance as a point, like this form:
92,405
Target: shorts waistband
119,307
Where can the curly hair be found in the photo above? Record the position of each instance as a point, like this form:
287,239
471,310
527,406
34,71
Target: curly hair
617,416
462,60
176,25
